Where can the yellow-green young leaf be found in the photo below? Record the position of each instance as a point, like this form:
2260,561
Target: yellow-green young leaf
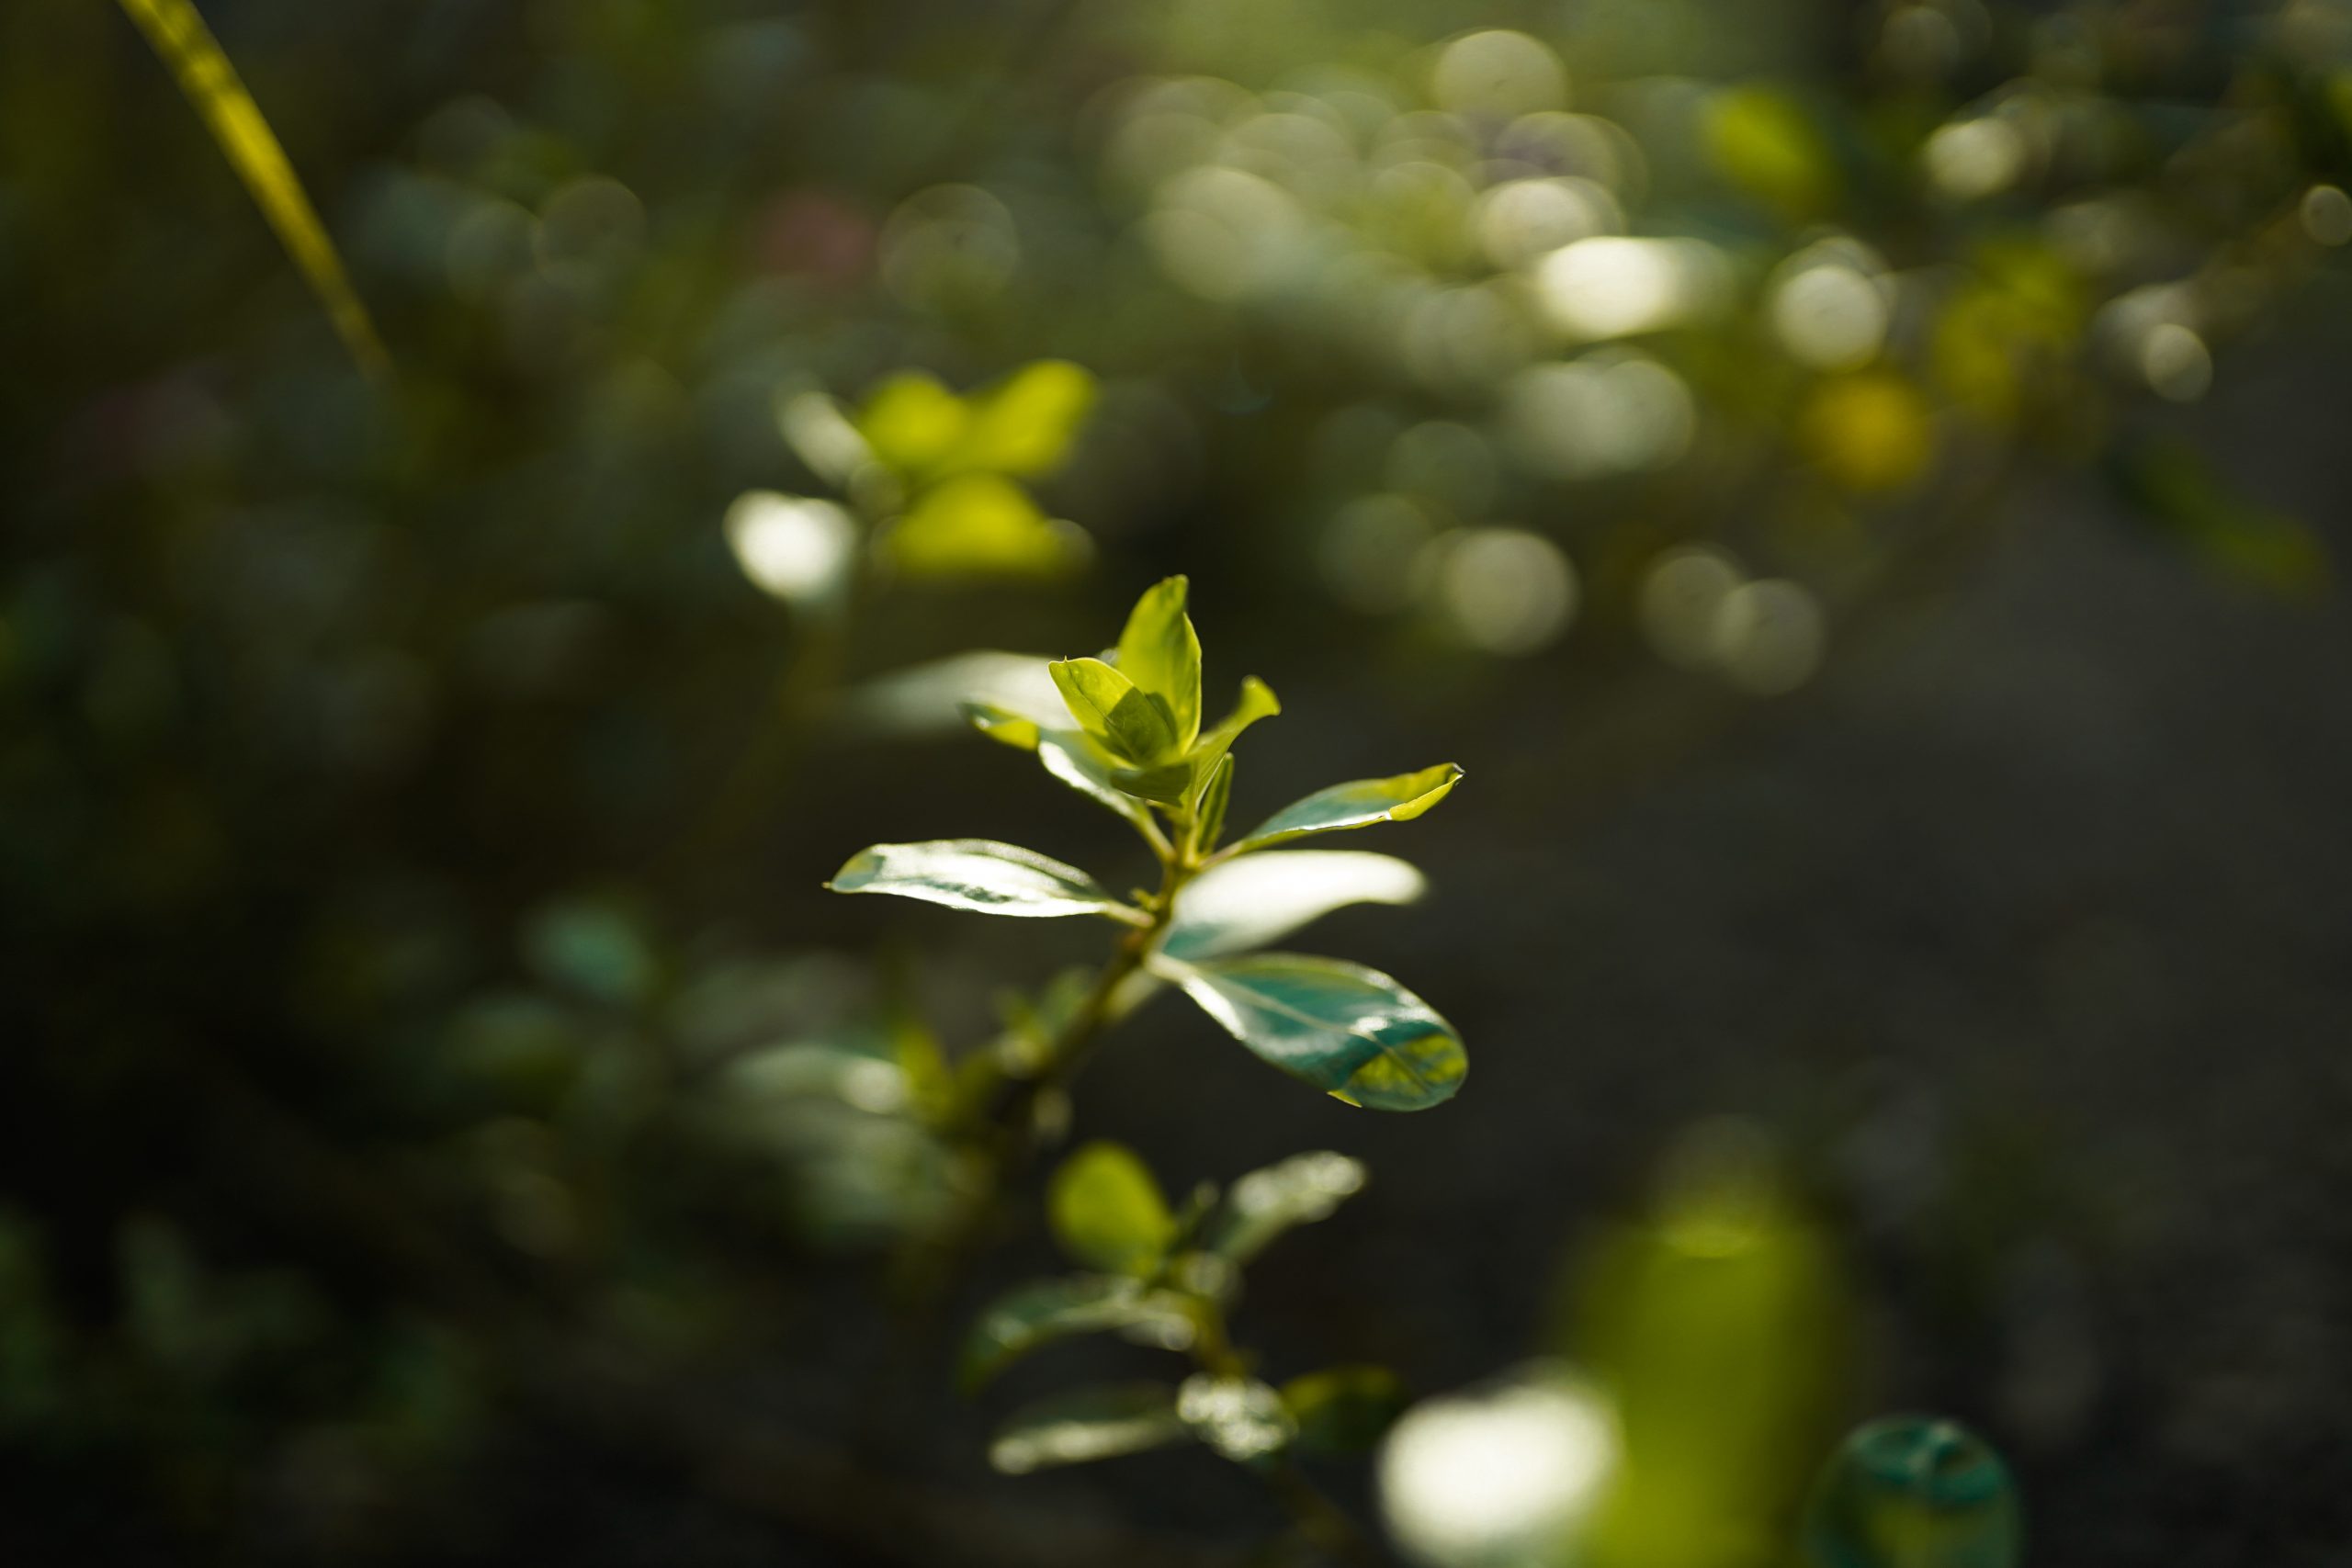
1088,1424
1107,1212
1038,1314
1345,1410
1349,1031
1257,701
1115,711
1026,425
1208,812
980,526
1266,1203
1236,905
1914,1491
1357,804
186,47
913,422
1006,728
979,874
1161,653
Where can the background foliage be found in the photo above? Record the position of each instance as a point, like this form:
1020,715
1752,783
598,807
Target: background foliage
1857,486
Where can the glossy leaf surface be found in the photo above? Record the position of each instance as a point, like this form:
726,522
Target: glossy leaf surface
1914,1491
1115,711
979,875
1107,1212
1357,804
1048,1310
1292,1192
1159,652
1240,904
1348,1030
1088,1424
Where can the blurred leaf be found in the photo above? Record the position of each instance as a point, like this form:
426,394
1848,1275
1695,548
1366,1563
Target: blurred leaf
979,875
2178,491
1088,1424
1764,143
1263,1204
980,526
1357,804
1243,1419
1161,654
1255,900
1868,432
1107,1212
1914,1491
187,46
1349,1031
1047,1310
937,696
1133,723
593,945
911,421
1345,1410
1027,423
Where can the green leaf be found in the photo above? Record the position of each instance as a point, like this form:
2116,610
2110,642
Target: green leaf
1239,904
1026,425
1257,701
1241,1419
1107,1212
936,697
1133,724
1048,1310
1345,1410
1169,783
1159,652
1296,1191
911,421
1088,1424
1208,813
1078,762
1357,804
1348,1030
1003,727
981,526
1914,1491
180,39
979,875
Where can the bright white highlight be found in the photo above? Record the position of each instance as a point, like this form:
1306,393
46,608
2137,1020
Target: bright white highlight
1485,1480
792,547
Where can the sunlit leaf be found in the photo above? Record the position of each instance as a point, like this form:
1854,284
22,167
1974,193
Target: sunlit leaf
1208,812
1107,1212
937,696
1245,903
1026,425
1005,727
911,421
1357,804
1263,1204
1088,1424
1241,1419
1071,757
1048,1310
180,36
1257,701
1161,654
1133,724
980,526
1914,1491
1342,1410
1349,1031
1170,783
979,874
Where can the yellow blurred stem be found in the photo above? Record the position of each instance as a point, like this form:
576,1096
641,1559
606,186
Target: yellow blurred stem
189,50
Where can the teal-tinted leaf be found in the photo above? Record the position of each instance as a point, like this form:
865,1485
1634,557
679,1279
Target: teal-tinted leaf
1133,723
1345,1410
1296,1191
1107,1212
1357,804
1241,1419
1088,1424
1914,1491
1236,905
1048,1310
1159,652
979,874
1348,1030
